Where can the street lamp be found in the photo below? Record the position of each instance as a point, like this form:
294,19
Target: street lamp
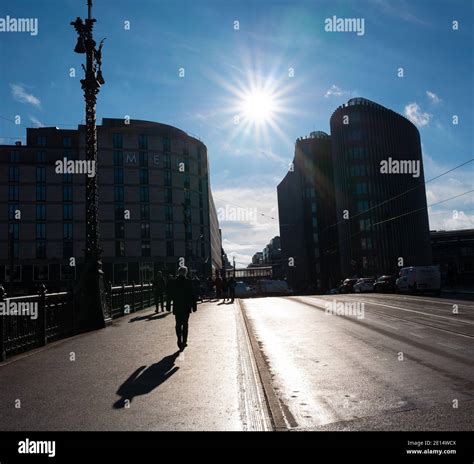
91,290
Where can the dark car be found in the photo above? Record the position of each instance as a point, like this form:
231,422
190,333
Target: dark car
348,285
385,284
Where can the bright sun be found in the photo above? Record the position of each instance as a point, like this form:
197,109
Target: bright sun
258,106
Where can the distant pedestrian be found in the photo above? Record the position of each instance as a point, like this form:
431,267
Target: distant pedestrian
169,291
232,285
159,290
225,288
209,287
218,285
184,303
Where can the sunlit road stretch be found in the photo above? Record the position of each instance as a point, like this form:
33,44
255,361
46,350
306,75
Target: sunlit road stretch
405,363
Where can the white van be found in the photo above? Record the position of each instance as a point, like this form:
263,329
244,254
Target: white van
419,279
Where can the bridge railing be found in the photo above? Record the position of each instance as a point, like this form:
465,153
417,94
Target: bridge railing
31,321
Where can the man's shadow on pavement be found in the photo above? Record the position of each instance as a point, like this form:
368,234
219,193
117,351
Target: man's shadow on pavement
150,317
145,379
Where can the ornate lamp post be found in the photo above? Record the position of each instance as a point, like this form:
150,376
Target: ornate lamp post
90,293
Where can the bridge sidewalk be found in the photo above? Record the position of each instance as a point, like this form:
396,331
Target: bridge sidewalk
83,383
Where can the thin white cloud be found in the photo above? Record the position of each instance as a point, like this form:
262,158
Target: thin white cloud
335,91
416,115
20,94
36,121
433,97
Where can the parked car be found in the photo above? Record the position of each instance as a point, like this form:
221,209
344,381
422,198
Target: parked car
364,285
348,285
273,287
385,284
419,279
242,290
334,291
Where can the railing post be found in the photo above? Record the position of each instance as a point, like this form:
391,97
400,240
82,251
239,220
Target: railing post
42,338
123,298
133,296
3,353
141,295
151,294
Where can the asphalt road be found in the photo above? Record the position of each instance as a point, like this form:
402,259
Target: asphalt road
399,363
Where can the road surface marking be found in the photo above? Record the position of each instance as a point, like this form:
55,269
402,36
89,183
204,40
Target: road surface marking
458,302
416,335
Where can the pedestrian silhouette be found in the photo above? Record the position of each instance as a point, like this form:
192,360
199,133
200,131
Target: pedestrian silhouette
184,301
145,379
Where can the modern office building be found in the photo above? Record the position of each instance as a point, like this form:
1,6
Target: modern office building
306,211
155,204
453,252
381,209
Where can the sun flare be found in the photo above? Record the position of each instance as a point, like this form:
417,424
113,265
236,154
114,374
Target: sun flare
258,106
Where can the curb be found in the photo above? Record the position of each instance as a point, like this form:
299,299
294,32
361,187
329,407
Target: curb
273,403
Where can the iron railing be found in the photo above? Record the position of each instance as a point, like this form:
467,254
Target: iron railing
47,317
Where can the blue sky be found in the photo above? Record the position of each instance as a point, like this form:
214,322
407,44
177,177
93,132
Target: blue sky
141,69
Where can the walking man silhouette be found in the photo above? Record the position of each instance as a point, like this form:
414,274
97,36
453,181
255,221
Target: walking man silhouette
184,301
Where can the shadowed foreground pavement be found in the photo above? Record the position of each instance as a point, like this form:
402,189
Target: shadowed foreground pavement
130,376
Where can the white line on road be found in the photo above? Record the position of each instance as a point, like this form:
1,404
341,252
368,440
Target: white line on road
458,302
416,335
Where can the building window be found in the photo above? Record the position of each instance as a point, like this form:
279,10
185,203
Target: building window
364,224
40,230
316,252
13,174
119,212
67,141
67,193
361,188
169,248
67,272
168,213
169,195
41,212
144,212
67,212
13,231
119,248
143,142
145,230
41,140
144,194
168,178
118,158
67,178
146,249
119,230
143,176
120,273
118,193
187,181
40,157
166,144
117,140
14,156
169,230
118,175
314,221
143,159
67,231
40,272
40,250
185,150
13,193
362,205
167,160
315,237
366,243
146,272
40,174
41,192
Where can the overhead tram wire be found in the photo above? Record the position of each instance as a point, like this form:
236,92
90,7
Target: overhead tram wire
399,195
336,245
